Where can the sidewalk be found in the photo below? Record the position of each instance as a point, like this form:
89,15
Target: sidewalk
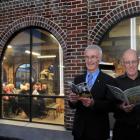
32,131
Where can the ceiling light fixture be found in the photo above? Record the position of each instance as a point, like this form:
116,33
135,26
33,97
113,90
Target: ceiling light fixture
47,56
9,46
106,63
33,53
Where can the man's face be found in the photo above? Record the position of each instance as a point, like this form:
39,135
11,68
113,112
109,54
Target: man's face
92,59
130,62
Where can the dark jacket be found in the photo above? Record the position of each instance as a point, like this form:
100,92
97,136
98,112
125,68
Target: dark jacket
133,117
93,121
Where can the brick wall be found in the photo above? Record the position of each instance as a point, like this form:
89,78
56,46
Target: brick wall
77,26
104,14
75,23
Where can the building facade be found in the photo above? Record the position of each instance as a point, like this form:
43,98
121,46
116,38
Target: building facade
74,24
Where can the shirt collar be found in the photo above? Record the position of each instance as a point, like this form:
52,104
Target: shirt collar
96,72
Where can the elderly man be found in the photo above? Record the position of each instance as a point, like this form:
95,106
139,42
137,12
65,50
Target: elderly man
127,125
91,120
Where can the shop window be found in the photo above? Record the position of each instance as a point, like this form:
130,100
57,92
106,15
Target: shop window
124,35
33,78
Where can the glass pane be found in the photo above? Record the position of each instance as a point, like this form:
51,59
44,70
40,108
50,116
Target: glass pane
15,74
16,107
51,110
16,61
113,44
138,34
22,75
9,106
24,102
45,61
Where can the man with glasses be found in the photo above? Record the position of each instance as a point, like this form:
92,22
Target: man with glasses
127,125
91,121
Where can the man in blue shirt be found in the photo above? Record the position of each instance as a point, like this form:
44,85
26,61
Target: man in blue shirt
91,121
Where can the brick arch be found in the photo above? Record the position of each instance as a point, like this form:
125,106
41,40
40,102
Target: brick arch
33,21
105,24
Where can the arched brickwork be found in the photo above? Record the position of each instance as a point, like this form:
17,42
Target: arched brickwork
105,24
29,21
33,21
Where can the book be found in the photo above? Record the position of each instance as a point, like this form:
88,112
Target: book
80,89
130,95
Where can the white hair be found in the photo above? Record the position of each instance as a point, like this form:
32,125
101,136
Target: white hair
95,47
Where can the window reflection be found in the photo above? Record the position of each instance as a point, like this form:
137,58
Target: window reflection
114,44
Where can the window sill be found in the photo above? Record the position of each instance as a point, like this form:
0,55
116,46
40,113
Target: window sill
33,125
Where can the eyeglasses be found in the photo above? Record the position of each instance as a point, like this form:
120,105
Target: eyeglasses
133,62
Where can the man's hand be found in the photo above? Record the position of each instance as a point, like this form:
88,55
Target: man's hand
73,97
126,107
87,102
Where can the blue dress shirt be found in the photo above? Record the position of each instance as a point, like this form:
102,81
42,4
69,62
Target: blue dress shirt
94,75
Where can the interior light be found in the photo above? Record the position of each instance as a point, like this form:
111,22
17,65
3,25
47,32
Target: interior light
9,46
4,58
46,56
33,53
106,63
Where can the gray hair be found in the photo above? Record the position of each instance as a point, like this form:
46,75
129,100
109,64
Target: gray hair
95,47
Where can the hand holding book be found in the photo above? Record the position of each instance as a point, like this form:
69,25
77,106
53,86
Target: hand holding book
126,107
87,102
73,97
80,89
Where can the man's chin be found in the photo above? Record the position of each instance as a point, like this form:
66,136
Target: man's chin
91,69
132,74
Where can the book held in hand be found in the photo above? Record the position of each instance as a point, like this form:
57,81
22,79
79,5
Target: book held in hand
80,89
130,95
